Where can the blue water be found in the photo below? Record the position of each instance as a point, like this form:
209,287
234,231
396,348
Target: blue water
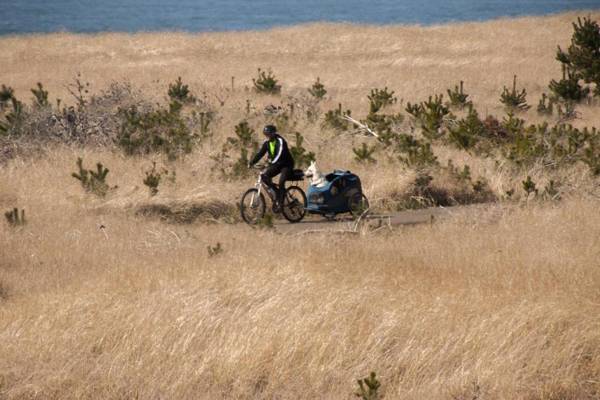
26,16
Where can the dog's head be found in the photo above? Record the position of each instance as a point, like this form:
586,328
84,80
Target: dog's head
311,170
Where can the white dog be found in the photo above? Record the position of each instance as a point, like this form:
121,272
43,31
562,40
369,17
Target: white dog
315,176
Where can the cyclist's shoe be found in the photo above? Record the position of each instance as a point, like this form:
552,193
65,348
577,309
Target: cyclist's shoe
276,208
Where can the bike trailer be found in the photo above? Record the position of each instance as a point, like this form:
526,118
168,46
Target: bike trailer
336,197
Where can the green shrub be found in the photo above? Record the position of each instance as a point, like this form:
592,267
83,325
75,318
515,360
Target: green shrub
364,154
302,157
529,186
153,178
266,83
155,131
6,95
379,99
15,218
334,119
214,251
568,89
430,116
15,118
414,152
92,181
582,58
468,131
544,108
458,98
317,90
40,96
514,100
179,92
368,388
243,143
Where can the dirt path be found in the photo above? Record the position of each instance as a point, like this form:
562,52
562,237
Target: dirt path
410,217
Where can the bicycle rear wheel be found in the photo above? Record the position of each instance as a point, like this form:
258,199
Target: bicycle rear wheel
252,206
294,204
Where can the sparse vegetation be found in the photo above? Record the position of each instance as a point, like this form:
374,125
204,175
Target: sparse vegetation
14,217
458,98
334,119
364,154
266,83
430,115
302,157
152,179
368,388
215,250
317,90
513,99
92,181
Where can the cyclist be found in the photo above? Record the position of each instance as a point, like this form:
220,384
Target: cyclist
280,162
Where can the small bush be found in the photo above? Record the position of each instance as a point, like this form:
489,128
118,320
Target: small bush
458,98
568,89
153,178
179,92
302,157
582,58
430,116
529,186
368,388
514,100
162,131
40,96
15,218
243,143
364,154
266,83
379,99
413,152
334,119
14,119
546,105
468,131
317,90
92,181
214,251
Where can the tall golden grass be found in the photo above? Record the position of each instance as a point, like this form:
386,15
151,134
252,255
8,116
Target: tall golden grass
98,303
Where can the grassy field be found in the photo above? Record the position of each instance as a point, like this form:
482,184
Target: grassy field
97,301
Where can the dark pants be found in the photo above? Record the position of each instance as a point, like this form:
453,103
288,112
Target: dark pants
284,171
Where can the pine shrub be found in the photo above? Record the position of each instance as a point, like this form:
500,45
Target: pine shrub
514,100
40,96
380,98
368,388
301,156
364,154
430,115
458,98
15,218
266,83
92,181
334,119
317,90
582,58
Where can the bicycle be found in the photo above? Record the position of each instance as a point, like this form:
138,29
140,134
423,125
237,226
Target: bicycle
253,205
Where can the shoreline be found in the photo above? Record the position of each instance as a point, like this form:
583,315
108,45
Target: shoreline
300,25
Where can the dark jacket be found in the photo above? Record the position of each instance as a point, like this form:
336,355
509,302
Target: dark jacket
281,155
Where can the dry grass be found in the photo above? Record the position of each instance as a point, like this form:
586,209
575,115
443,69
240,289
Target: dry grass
140,309
464,309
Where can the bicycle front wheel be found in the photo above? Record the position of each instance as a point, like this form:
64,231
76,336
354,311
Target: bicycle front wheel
252,206
294,204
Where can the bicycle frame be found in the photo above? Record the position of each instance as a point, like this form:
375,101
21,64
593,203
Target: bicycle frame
260,187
